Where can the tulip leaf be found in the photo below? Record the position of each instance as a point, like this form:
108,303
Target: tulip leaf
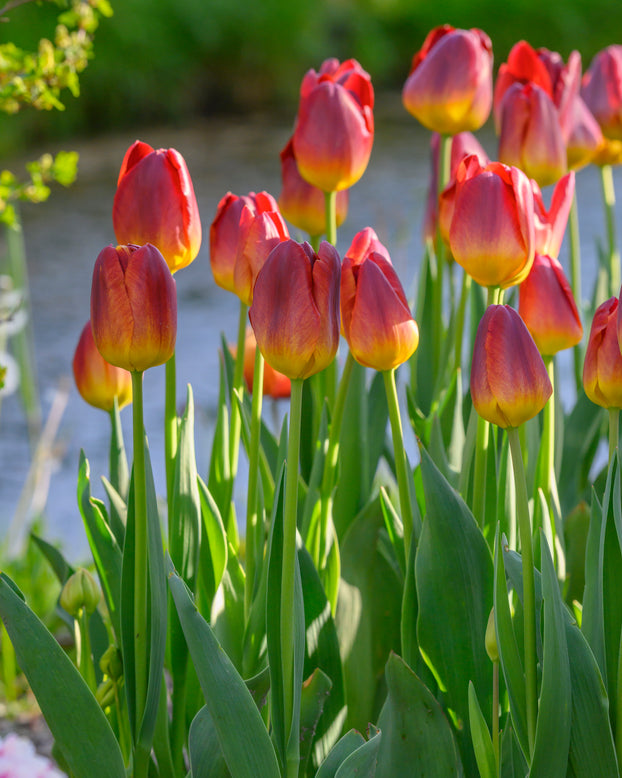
118,510
454,576
76,720
480,735
592,621
339,753
417,739
213,551
119,476
315,693
550,754
220,456
206,759
227,613
242,735
362,762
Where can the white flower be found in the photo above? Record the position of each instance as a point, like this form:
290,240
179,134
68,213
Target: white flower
18,759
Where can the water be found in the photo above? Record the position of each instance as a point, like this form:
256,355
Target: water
64,236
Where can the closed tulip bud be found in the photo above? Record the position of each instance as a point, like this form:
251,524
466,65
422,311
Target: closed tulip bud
111,663
98,381
601,89
81,590
105,693
224,236
449,88
602,367
550,224
133,307
375,315
275,384
303,204
491,234
548,308
295,310
531,137
334,130
509,382
155,203
490,641
523,66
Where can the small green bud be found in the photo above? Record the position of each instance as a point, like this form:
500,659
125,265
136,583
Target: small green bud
81,590
492,649
105,693
111,663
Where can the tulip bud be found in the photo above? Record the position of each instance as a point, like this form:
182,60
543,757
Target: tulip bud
98,381
133,307
490,641
375,315
303,204
104,694
111,663
275,384
334,130
491,233
584,138
523,66
81,590
295,310
155,203
449,87
547,307
509,382
531,135
601,89
602,368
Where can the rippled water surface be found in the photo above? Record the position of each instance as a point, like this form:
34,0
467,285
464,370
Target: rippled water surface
64,235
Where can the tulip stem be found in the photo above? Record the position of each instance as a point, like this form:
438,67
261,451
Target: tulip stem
438,331
401,470
529,597
288,569
609,197
459,330
614,418
140,549
170,428
548,445
252,538
330,201
575,281
495,713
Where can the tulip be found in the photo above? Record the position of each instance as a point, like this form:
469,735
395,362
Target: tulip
491,234
509,382
548,308
98,381
602,368
275,384
601,89
530,135
550,224
334,129
133,307
365,243
295,309
224,236
375,316
155,203
449,87
303,204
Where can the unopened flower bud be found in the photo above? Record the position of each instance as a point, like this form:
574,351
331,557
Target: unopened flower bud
81,590
490,641
111,663
105,693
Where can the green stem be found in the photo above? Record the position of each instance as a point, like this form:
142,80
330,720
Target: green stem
464,296
400,456
438,331
495,713
288,570
614,414
618,702
238,386
609,197
575,282
314,241
87,671
253,480
170,428
140,549
330,464
330,203
548,444
529,597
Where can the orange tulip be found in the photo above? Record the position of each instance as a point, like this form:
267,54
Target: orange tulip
449,87
509,382
334,130
98,381
530,135
491,233
303,204
155,203
548,308
275,384
550,224
224,236
375,315
133,307
295,310
601,89
602,368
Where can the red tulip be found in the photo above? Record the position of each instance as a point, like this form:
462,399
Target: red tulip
375,315
295,310
602,368
133,307
491,233
303,204
334,130
530,136
449,87
275,384
584,138
98,381
550,224
548,308
601,89
155,203
509,382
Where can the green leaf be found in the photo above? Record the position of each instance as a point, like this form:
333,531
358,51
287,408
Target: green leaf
206,759
417,739
213,543
77,722
362,762
339,753
242,735
480,735
227,613
592,623
315,692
